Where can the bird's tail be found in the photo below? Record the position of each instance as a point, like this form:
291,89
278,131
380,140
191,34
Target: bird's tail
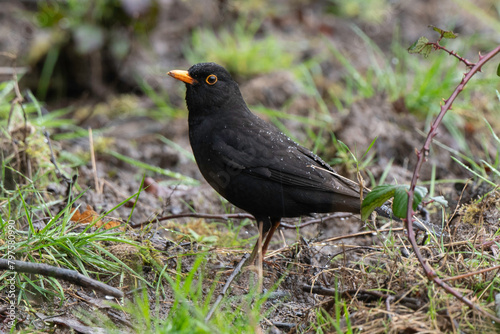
422,224
386,211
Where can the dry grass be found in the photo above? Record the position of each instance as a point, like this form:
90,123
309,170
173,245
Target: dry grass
385,292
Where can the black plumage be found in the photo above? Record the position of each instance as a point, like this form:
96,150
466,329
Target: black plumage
250,162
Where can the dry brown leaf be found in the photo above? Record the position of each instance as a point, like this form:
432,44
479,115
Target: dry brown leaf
86,217
107,225
89,216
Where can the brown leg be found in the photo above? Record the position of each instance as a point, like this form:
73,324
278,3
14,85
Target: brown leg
267,238
256,248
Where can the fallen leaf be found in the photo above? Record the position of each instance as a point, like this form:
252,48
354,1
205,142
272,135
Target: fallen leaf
86,217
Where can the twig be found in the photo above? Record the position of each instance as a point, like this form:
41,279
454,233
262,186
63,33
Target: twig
490,243
71,276
241,216
360,234
319,290
350,250
410,302
284,325
421,157
388,302
196,215
316,220
471,274
208,216
226,286
438,46
59,174
98,187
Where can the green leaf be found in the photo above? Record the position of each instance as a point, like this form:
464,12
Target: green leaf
426,51
450,35
444,33
418,45
375,198
498,70
441,200
421,46
420,193
400,204
380,194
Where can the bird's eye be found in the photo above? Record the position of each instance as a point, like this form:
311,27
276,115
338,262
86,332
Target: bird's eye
211,79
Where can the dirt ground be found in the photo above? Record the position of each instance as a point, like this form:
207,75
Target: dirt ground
295,260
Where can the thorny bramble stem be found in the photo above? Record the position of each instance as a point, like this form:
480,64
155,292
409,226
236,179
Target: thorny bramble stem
422,156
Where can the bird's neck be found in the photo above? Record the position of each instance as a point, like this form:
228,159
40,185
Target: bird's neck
218,114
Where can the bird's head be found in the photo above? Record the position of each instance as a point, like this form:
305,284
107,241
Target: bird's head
209,87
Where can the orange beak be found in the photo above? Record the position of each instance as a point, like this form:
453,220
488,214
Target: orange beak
182,76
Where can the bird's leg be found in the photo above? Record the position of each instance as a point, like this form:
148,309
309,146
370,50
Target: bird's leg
269,236
257,246
267,239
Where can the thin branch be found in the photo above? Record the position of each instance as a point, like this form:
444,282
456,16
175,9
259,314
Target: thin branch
242,216
482,271
359,234
410,302
68,275
490,243
316,220
226,286
97,183
438,46
208,216
196,215
421,157
59,174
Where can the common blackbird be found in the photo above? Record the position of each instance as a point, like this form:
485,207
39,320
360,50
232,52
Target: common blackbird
253,164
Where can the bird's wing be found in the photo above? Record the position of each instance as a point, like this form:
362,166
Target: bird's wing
280,160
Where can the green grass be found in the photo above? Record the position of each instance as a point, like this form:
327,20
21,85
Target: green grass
366,11
423,83
55,240
62,243
178,177
240,49
190,305
163,108
46,234
486,169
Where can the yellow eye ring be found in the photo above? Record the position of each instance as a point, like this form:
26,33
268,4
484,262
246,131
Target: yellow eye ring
211,79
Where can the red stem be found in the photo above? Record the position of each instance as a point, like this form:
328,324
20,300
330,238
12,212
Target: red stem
438,46
422,155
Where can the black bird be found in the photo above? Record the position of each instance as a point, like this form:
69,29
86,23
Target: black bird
250,162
